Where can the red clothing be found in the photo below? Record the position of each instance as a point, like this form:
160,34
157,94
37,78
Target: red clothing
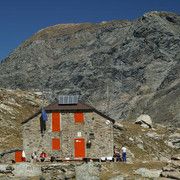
43,155
23,159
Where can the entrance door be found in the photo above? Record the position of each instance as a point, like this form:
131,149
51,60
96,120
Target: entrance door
79,148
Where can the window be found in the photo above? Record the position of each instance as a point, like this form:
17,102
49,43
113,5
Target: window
55,122
91,135
55,144
78,117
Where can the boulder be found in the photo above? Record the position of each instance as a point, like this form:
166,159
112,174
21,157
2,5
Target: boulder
176,165
168,168
153,135
119,177
131,139
172,170
89,171
174,140
6,170
3,167
149,173
144,120
59,171
171,174
118,125
70,174
176,157
164,158
140,146
170,144
27,170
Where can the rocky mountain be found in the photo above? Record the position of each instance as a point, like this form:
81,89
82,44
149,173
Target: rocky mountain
124,68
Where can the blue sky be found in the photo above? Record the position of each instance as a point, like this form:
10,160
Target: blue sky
20,19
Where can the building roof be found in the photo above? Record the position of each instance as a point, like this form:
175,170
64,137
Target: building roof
79,107
69,107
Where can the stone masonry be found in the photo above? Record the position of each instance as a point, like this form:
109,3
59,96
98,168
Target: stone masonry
94,124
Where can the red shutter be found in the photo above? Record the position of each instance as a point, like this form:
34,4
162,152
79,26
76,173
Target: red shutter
55,144
55,121
18,156
79,117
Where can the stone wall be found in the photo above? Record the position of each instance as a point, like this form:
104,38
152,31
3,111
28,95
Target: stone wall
101,144
7,158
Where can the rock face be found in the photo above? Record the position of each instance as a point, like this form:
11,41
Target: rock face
124,68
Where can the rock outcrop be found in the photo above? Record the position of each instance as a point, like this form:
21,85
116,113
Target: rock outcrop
172,170
125,68
144,120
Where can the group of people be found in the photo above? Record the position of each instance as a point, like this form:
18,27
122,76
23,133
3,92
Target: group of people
118,156
41,158
34,157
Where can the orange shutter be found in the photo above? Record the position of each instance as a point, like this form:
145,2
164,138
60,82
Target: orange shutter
55,121
55,144
79,117
79,148
18,156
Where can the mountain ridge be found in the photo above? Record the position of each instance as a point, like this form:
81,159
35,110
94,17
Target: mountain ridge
124,68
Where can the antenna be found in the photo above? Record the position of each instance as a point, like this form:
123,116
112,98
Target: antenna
41,78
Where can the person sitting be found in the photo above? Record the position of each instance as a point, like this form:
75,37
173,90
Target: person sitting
43,156
118,157
34,157
52,159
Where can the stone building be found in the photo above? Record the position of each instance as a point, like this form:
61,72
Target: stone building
73,130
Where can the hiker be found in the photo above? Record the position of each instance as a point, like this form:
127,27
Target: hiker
123,153
43,155
23,156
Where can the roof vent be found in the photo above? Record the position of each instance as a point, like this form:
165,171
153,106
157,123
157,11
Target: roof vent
66,99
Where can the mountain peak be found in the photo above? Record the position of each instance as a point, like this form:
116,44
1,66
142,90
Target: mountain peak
124,68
